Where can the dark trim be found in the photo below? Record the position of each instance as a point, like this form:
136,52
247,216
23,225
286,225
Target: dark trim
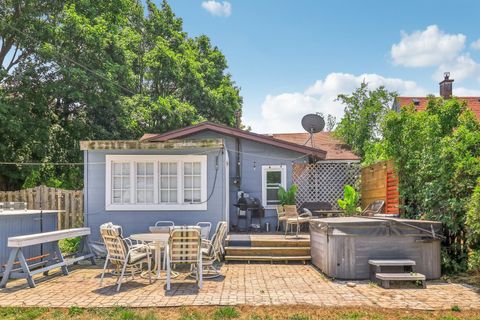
181,133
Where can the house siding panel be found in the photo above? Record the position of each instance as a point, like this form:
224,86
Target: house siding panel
139,221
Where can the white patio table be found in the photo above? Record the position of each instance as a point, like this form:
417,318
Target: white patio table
160,241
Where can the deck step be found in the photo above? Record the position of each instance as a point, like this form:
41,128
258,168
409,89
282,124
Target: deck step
267,251
268,258
239,240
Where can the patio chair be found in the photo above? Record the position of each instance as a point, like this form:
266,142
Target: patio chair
162,227
212,252
185,247
295,219
206,227
124,253
373,208
280,216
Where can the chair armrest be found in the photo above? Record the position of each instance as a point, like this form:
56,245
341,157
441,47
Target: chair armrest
305,215
140,248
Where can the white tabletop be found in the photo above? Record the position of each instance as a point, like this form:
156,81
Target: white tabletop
157,237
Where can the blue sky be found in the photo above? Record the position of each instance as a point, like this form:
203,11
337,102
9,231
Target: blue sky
294,57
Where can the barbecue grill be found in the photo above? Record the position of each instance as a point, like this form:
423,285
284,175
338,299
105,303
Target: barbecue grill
249,208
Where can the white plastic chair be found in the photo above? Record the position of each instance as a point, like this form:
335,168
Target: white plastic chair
123,253
162,227
206,227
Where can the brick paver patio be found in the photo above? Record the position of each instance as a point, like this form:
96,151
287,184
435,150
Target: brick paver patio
251,284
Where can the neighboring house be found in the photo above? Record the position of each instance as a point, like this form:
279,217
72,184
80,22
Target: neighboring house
446,91
192,174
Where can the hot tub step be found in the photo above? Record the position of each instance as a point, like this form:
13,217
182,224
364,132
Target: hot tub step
385,278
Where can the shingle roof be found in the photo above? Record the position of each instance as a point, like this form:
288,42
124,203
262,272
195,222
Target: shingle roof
421,103
222,129
335,148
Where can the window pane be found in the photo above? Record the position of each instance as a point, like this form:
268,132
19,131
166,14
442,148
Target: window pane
188,168
149,183
163,196
196,196
126,196
274,177
272,194
117,168
149,169
173,168
187,182
126,168
117,196
188,196
173,182
117,183
126,183
196,168
149,196
141,183
164,182
141,196
196,182
164,168
173,196
141,168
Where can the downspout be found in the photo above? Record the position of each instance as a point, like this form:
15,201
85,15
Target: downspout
85,187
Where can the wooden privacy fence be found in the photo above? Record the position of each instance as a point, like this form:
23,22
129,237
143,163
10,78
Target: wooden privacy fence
379,182
46,198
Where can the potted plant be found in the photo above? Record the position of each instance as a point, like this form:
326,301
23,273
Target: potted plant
349,201
287,197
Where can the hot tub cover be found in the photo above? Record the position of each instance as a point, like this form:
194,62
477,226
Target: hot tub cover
373,226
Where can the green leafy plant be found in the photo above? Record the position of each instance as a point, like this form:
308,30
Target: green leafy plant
349,201
70,245
287,197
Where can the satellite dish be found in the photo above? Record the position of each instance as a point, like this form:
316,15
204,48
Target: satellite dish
313,123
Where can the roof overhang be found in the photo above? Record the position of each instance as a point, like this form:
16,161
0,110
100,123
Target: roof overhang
146,145
234,132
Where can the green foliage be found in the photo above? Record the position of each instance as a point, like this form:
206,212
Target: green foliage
70,245
287,197
437,157
80,70
365,110
226,313
349,201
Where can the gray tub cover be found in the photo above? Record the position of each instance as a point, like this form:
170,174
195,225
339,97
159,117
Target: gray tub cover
372,226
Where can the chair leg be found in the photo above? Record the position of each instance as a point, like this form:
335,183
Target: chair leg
121,276
104,269
200,273
149,266
168,273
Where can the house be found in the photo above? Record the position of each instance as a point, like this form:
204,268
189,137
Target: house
446,92
192,174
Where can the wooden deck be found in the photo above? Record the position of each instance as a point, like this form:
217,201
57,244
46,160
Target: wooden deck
267,247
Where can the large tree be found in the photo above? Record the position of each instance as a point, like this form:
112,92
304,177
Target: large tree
360,126
85,69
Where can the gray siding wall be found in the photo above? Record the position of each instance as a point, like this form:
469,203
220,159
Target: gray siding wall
251,180
139,221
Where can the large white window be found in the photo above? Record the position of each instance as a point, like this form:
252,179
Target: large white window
273,177
156,182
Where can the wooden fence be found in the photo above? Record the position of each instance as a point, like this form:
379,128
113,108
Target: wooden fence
379,182
46,198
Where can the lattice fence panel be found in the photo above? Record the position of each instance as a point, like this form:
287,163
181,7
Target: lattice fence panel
324,181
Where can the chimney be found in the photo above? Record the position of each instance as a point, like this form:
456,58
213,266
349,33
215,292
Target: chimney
446,86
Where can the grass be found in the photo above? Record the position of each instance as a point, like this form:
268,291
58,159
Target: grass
300,312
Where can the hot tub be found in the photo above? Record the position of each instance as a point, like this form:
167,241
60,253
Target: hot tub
341,247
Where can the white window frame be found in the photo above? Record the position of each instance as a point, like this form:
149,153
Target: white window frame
269,168
156,206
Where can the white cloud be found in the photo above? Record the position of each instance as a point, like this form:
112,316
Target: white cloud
476,44
460,68
464,92
429,47
283,112
217,8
